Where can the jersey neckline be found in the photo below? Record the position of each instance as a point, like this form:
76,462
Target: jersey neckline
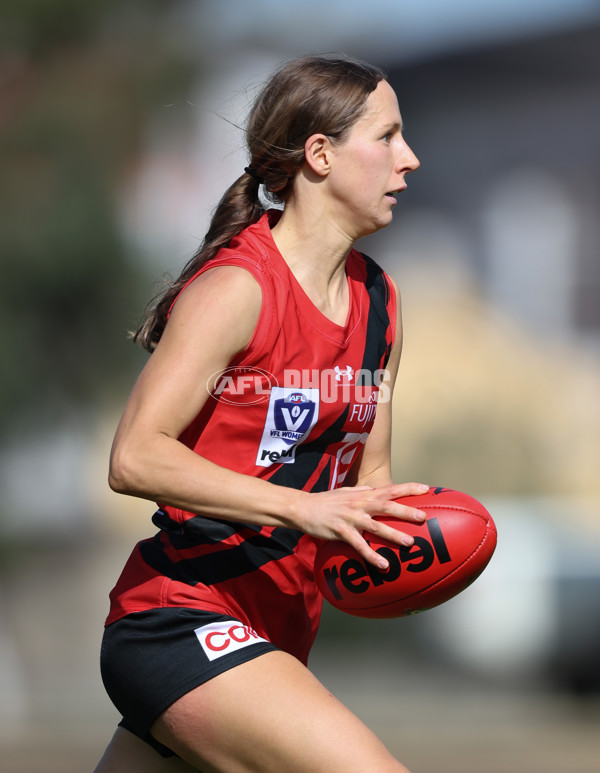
313,315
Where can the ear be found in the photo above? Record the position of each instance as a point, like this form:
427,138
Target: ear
317,153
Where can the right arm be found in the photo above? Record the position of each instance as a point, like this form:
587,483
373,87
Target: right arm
212,321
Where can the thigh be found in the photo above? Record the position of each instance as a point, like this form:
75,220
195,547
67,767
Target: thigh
150,659
126,753
270,715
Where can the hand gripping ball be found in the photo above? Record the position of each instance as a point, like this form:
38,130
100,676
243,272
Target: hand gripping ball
452,547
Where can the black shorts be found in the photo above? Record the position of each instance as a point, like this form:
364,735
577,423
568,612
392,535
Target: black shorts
150,659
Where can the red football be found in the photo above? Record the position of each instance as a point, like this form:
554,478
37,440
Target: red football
452,547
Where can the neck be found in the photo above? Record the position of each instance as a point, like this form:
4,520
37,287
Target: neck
311,243
315,251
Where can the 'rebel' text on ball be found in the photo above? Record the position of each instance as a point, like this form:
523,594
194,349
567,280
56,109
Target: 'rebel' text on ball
451,549
356,575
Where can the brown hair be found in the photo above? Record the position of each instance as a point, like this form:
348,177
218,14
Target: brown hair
311,95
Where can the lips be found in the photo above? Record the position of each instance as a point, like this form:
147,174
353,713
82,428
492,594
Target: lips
397,190
393,194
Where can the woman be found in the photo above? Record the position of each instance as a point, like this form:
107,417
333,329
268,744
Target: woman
270,354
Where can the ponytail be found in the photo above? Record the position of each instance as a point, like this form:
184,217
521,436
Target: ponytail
238,209
314,94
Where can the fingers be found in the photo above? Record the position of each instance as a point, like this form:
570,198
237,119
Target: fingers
406,489
347,513
383,503
366,552
396,510
357,540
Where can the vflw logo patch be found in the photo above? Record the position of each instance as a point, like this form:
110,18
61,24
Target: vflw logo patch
291,415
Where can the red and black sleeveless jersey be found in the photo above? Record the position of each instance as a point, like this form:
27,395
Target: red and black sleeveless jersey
295,408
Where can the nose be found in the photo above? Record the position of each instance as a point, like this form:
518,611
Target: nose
407,160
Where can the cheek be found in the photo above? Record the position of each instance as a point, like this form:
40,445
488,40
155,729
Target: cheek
379,164
363,176
371,171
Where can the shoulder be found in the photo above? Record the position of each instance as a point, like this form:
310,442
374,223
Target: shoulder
384,298
377,281
223,300
217,286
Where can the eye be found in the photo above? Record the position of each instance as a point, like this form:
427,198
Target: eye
391,131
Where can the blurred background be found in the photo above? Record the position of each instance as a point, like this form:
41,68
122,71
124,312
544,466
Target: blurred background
118,134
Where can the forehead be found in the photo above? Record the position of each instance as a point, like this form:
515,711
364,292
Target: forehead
381,107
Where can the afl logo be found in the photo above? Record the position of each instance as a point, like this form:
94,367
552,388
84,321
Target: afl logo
297,398
241,385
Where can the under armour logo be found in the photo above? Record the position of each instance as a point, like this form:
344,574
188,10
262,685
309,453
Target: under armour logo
348,373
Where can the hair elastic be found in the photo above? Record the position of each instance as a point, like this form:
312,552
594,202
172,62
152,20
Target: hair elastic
254,174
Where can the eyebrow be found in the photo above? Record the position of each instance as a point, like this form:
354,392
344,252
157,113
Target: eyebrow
396,126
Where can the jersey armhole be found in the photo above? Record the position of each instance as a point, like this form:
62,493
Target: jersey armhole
392,307
263,323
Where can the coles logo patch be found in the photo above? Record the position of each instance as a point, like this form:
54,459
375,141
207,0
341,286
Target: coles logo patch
291,415
218,639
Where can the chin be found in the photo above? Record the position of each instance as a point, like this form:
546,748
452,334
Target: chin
381,222
375,222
